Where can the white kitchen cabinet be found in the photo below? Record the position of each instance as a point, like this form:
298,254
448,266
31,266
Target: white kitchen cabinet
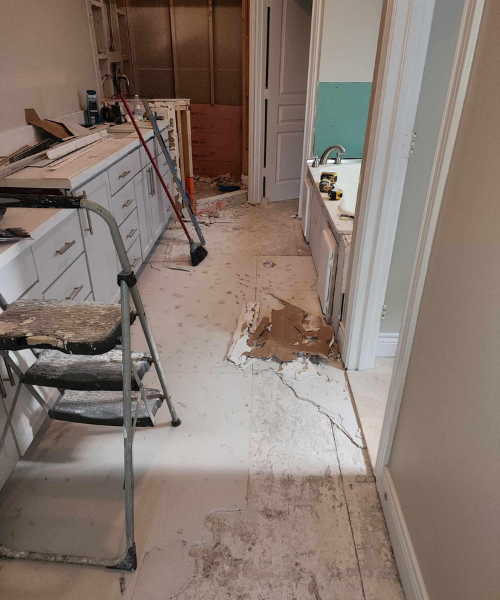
155,201
326,270
73,284
340,280
99,247
316,226
142,181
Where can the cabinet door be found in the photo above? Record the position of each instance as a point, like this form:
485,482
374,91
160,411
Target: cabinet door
99,246
142,185
306,221
155,200
316,227
166,207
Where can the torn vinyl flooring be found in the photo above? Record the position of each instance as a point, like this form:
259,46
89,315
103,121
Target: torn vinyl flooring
265,491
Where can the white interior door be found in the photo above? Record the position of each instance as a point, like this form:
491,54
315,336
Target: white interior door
289,23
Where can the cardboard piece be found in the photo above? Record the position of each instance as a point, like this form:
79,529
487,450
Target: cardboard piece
285,332
55,128
293,332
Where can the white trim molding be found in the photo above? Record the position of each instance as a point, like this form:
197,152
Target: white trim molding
257,42
406,559
401,53
312,95
459,79
387,344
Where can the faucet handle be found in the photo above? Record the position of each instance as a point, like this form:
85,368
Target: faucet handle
315,160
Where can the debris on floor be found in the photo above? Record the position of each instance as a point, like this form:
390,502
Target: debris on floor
285,332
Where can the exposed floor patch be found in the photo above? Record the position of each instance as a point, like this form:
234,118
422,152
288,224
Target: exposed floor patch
299,537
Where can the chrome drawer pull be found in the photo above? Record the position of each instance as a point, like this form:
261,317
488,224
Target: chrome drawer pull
131,233
74,293
66,247
124,174
134,263
128,203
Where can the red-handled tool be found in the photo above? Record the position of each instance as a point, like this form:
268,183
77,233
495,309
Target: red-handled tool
197,251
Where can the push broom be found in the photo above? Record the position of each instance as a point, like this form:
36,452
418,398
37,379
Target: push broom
173,171
197,251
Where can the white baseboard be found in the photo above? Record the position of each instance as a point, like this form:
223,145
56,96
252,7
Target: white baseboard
387,344
406,559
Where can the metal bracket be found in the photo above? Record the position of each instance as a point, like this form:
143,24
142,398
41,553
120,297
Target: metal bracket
129,278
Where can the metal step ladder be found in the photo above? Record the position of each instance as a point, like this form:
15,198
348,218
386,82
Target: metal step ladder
83,350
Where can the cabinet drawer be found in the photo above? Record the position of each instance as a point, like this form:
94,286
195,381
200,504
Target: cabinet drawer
123,202
57,250
151,144
123,171
74,283
134,254
17,276
129,229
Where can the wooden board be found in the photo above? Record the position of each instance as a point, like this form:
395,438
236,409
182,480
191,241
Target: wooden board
68,326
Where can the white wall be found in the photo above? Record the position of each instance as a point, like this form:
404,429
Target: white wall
446,452
46,59
442,43
349,41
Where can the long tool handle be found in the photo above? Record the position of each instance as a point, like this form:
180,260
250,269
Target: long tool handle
129,112
173,170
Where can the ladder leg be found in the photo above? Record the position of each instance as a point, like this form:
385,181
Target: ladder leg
154,353
127,422
11,414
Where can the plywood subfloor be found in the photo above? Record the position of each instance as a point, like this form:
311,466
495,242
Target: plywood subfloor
264,491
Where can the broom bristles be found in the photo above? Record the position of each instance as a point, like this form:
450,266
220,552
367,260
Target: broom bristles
198,253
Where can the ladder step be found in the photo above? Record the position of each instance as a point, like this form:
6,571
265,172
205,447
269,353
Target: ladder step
69,326
103,408
92,373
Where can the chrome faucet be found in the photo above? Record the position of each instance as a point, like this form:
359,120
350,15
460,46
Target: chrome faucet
327,152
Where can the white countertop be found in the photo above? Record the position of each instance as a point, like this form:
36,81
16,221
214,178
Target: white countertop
37,221
331,207
75,173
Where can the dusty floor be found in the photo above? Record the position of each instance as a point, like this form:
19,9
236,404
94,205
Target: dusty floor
370,390
264,492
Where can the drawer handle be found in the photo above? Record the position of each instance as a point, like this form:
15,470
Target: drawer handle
74,293
65,248
135,262
124,174
131,233
128,203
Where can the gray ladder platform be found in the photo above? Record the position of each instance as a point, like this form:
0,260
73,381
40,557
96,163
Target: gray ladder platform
102,372
104,408
66,325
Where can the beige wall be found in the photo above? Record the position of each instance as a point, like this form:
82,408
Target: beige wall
445,460
349,40
46,59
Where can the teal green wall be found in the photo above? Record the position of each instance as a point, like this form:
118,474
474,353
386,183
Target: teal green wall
341,115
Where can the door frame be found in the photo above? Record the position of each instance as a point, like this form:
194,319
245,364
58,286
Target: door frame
312,96
399,66
459,79
406,558
257,52
257,42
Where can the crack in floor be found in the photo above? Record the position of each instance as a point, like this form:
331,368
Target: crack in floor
323,411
